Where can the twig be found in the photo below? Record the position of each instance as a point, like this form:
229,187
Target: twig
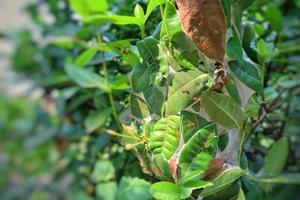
266,110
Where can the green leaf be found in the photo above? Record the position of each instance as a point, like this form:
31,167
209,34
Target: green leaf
85,78
89,7
114,19
185,87
96,119
139,108
187,59
287,178
161,168
165,136
241,195
151,5
148,49
120,83
86,57
196,184
140,79
169,191
107,191
190,124
139,13
103,171
227,10
234,47
171,27
233,91
252,108
244,4
265,50
223,109
197,153
276,158
248,43
223,181
275,17
247,74
133,188
237,15
155,99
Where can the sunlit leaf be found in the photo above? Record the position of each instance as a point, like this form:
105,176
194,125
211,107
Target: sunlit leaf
169,191
197,153
89,7
185,88
165,136
190,124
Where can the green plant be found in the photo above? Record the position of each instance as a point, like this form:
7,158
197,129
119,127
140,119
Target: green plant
145,88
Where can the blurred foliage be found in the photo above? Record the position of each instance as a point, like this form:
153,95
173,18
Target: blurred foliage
66,144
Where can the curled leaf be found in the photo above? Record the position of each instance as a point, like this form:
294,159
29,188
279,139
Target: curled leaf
204,23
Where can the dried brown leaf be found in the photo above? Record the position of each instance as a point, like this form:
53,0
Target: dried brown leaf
204,23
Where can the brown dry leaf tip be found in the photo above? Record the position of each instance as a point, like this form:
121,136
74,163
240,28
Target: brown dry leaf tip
204,23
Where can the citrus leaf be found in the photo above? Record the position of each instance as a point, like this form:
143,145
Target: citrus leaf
139,13
185,87
89,7
247,74
197,153
233,91
139,108
114,19
106,191
169,191
148,49
248,39
197,184
171,28
223,109
103,171
160,167
223,181
133,188
151,5
155,99
85,78
234,47
96,119
86,57
190,124
140,79
276,158
165,136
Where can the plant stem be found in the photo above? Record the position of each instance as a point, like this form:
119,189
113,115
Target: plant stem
109,92
142,28
110,96
161,11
